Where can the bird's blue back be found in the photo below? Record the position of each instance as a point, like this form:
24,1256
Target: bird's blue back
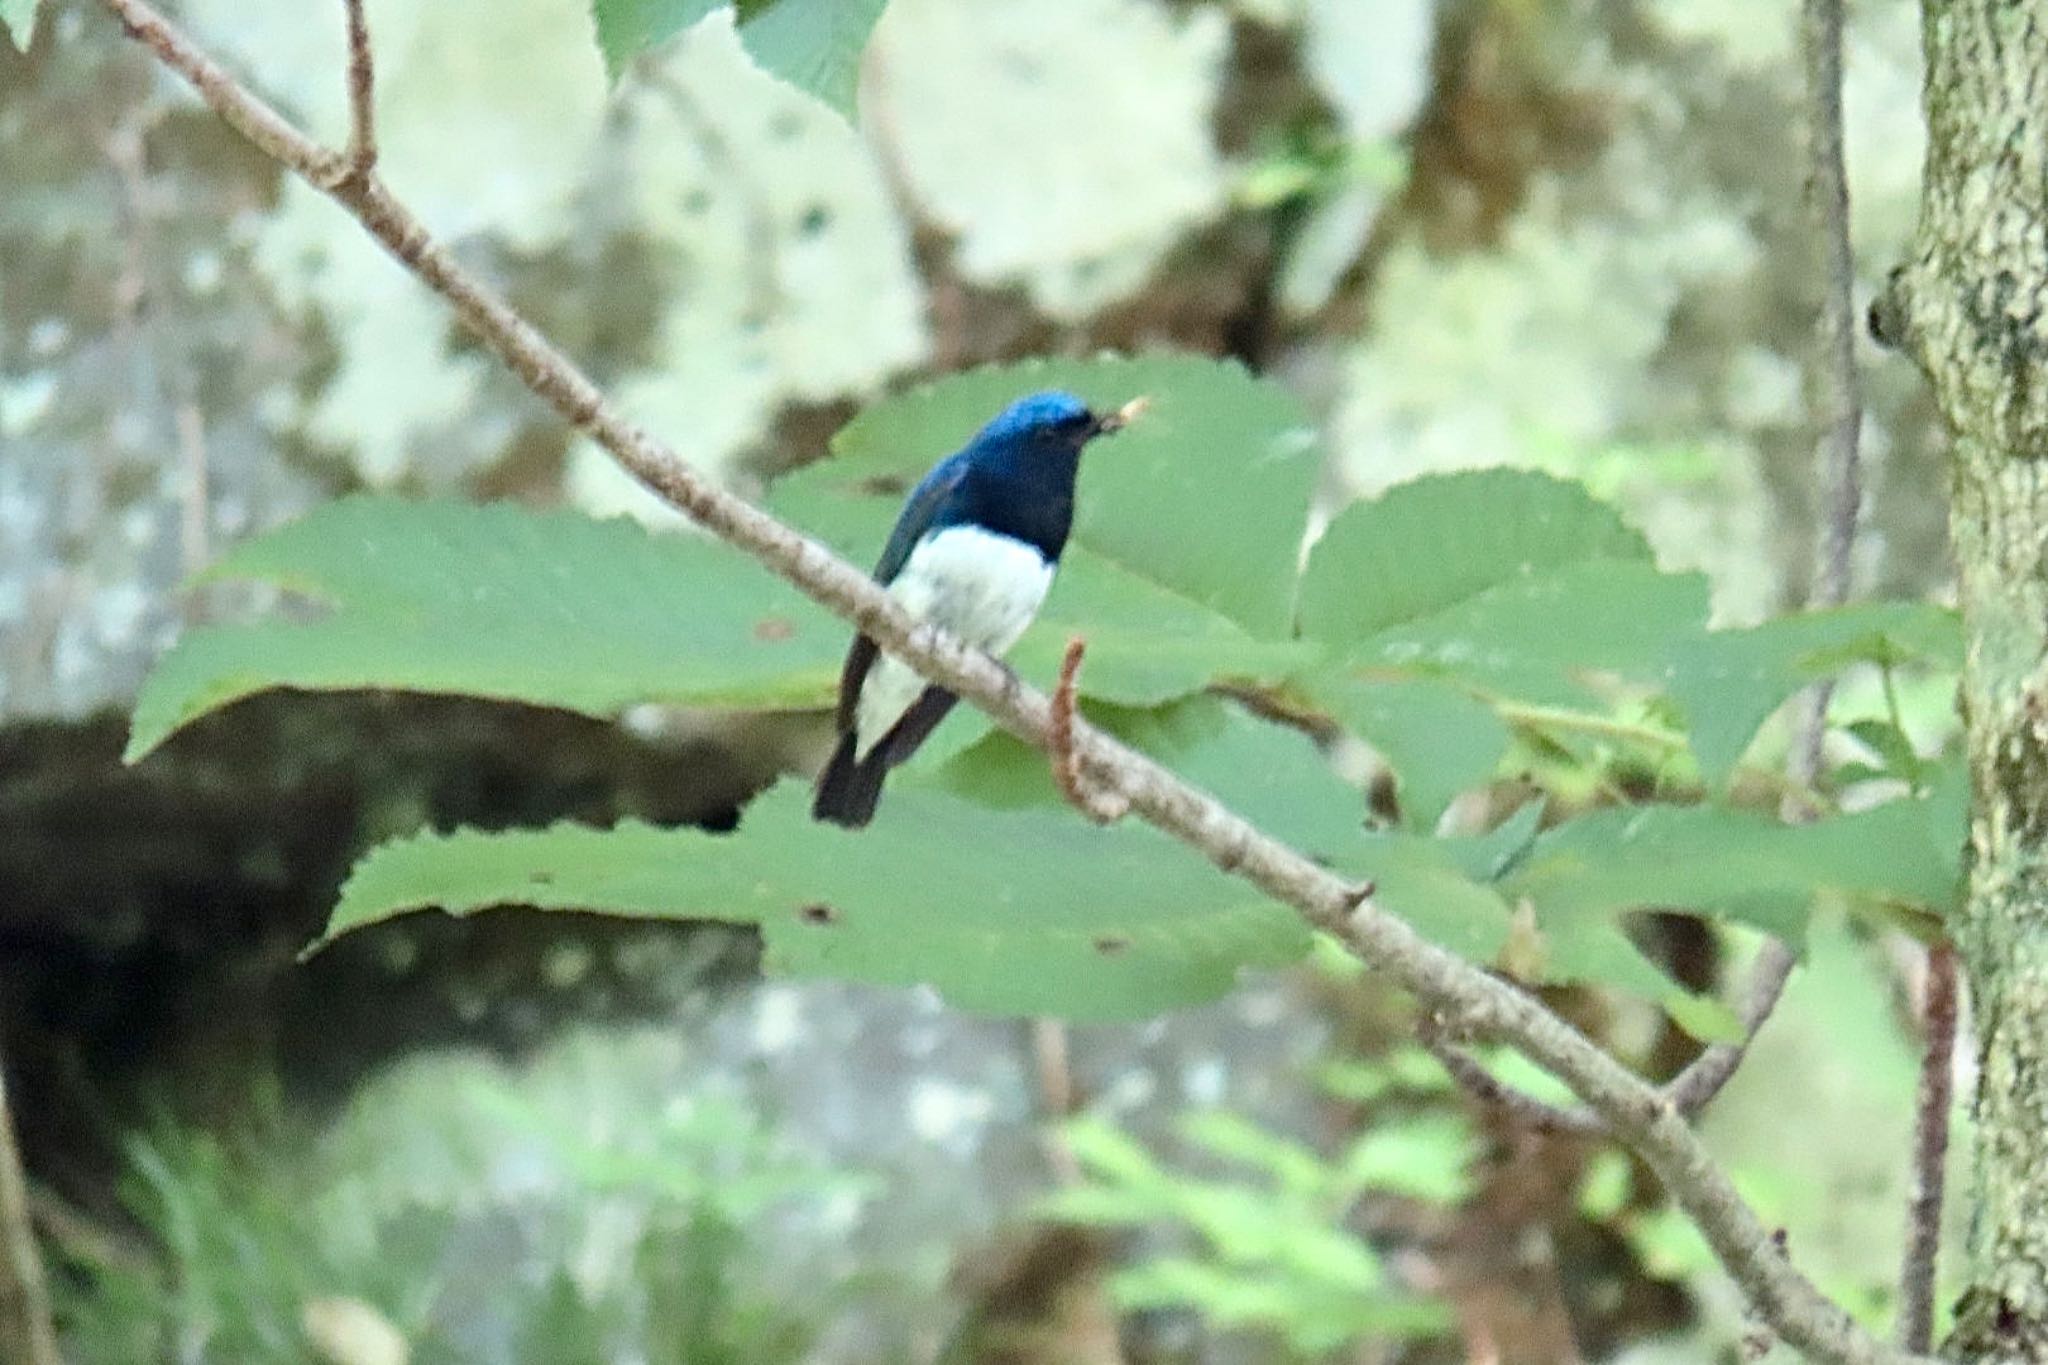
1015,478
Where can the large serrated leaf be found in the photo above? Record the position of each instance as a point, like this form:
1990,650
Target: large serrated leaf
1035,912
1428,545
1438,738
1730,681
1267,773
1583,877
498,601
814,45
1455,593
1205,497
1551,637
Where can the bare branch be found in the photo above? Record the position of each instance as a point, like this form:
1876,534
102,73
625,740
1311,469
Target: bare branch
1441,980
1103,806
361,158
1695,1087
1836,394
1052,1065
1917,1283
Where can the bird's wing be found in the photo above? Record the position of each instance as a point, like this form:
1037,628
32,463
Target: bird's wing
859,660
920,510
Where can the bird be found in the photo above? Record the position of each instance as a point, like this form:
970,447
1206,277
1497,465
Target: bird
973,551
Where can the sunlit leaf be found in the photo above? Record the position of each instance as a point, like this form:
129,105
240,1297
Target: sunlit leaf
814,45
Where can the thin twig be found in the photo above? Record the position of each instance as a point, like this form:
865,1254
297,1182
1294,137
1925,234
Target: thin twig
1837,402
1519,1107
1440,980
26,1333
362,102
1052,1065
1917,1282
1103,806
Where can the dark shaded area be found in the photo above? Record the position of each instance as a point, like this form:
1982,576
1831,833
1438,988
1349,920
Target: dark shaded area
153,915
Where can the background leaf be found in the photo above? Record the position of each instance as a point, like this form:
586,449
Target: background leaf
814,45
1584,876
18,17
1730,681
497,601
1438,738
627,28
1428,545
1036,912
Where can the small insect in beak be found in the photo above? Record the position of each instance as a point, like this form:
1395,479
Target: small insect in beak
1125,415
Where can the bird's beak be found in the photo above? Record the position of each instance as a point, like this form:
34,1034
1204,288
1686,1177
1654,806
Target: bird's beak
1125,415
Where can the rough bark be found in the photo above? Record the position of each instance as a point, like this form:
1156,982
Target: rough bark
1969,307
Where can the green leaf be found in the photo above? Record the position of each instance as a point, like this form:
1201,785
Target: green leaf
1205,496
1034,913
627,28
544,607
1585,875
1553,637
1438,738
1454,596
1426,546
18,17
1730,681
1267,773
814,45
1893,748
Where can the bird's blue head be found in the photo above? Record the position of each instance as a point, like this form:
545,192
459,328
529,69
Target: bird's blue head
1054,417
1020,467
1050,422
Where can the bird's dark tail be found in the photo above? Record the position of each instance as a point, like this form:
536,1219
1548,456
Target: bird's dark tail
848,789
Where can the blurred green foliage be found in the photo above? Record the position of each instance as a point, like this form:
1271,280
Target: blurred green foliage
1277,1243
268,1253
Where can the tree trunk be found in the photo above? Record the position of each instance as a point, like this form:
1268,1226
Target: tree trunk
1972,307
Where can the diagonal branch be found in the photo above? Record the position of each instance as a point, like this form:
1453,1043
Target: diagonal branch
1447,984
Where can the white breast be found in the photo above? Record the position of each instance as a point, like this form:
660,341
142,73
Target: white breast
982,587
